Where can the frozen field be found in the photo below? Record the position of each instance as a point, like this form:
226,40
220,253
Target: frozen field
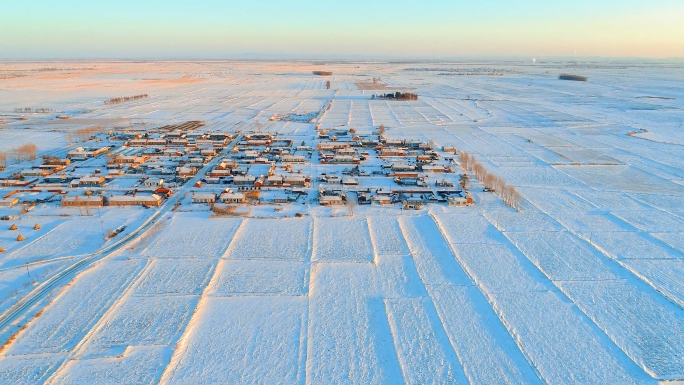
583,285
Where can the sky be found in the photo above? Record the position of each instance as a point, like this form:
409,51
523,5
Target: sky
213,29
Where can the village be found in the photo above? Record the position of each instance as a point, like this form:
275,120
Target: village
138,166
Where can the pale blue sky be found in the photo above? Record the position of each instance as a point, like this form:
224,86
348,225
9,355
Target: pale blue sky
350,28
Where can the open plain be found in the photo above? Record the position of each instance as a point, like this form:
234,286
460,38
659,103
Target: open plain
253,222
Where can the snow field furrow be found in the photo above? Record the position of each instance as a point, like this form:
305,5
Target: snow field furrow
498,268
199,310
140,321
272,239
535,318
561,256
665,275
533,313
250,277
674,239
189,236
483,345
631,245
28,369
648,330
475,333
386,236
592,222
567,252
243,340
424,354
552,201
623,179
136,365
528,221
470,228
349,338
432,256
652,220
174,277
76,310
342,240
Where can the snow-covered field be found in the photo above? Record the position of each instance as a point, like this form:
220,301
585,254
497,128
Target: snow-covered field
583,285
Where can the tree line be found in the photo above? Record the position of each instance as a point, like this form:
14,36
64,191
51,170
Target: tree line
508,194
26,151
34,110
124,99
84,134
397,96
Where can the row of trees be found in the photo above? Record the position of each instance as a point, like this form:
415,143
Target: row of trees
124,99
508,194
34,110
84,134
397,96
27,151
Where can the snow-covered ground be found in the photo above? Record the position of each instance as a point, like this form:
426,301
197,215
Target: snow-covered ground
583,285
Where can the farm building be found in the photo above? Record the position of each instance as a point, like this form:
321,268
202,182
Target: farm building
91,181
178,142
330,200
187,171
343,159
401,166
275,180
244,179
350,181
149,200
293,159
231,197
128,159
163,191
251,154
76,201
130,200
203,198
333,179
295,180
332,146
154,182
457,201
34,172
413,204
380,200
392,152
433,168
82,153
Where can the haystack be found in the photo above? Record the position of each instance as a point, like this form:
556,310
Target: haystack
36,227
20,238
13,227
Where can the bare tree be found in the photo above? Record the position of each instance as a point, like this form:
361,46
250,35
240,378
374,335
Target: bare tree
507,193
124,99
351,205
27,151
